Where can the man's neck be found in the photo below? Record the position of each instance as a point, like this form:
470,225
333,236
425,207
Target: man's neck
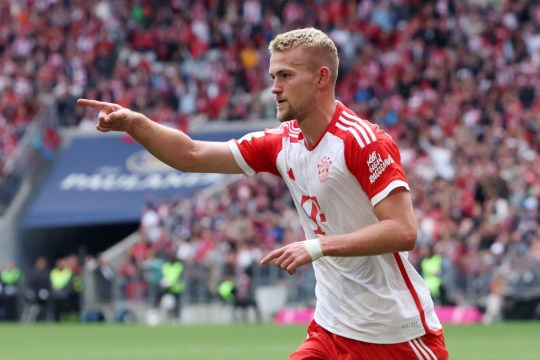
316,124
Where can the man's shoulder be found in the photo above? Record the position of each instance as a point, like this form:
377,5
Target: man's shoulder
359,132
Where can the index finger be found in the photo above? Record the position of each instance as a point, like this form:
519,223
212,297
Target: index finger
265,260
100,105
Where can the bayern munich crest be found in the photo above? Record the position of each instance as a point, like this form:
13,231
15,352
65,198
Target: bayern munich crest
324,168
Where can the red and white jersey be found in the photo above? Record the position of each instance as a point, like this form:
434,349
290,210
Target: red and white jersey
335,185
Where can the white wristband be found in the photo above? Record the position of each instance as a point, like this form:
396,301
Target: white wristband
314,248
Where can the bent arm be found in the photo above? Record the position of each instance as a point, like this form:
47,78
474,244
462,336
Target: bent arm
396,231
179,151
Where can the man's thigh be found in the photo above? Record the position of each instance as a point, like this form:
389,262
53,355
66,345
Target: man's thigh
315,347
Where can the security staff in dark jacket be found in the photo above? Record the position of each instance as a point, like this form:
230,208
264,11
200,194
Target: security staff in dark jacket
38,292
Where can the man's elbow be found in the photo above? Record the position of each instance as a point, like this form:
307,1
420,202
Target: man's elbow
186,162
408,239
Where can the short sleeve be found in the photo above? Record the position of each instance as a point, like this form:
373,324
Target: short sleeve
376,166
257,152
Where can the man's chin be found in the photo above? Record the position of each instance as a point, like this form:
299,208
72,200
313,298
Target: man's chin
284,118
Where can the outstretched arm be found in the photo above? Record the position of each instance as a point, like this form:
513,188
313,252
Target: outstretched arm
395,232
171,146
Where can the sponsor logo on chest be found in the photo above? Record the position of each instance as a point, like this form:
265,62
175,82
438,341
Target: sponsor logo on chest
377,165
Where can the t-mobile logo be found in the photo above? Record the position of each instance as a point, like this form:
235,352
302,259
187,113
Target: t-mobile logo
311,206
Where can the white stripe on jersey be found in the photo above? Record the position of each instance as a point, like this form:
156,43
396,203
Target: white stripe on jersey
420,357
240,159
277,130
362,123
421,342
293,127
294,131
393,185
423,349
357,126
355,134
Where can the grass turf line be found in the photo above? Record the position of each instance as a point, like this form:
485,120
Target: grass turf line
516,341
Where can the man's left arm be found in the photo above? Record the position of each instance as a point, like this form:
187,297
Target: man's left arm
396,231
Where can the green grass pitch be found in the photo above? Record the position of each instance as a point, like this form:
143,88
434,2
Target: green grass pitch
508,341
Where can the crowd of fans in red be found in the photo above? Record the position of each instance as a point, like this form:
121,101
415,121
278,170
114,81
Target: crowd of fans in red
456,83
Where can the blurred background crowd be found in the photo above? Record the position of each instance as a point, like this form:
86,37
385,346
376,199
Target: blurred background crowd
456,83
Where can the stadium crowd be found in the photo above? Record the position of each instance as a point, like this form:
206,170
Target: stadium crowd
220,235
456,83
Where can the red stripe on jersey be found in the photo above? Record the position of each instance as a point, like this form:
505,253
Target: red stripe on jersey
413,292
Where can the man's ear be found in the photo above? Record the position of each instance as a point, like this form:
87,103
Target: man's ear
324,76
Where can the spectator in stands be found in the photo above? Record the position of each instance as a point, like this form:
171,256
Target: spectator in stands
104,277
151,225
495,301
152,266
521,289
76,286
130,278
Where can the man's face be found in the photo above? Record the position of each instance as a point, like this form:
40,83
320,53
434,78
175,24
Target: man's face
294,84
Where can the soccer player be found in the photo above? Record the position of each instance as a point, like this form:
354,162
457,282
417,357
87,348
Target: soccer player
346,180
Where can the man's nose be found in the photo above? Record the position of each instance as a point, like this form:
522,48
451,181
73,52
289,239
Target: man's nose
276,87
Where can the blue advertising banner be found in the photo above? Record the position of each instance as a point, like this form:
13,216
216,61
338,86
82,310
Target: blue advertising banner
105,179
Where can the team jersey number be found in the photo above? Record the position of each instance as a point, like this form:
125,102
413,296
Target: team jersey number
311,206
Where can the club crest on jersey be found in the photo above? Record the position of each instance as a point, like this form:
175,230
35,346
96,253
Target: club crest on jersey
324,168
377,165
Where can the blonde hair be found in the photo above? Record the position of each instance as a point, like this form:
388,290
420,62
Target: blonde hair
313,40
